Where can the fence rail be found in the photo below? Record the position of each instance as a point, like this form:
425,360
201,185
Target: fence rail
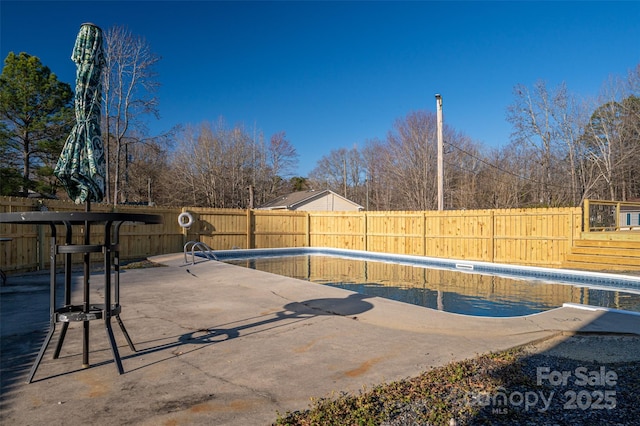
539,237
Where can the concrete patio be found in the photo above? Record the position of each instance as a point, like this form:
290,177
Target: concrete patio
220,344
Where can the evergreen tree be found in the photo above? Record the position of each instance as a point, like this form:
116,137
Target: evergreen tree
36,115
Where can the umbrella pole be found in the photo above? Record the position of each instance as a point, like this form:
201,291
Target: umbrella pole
87,303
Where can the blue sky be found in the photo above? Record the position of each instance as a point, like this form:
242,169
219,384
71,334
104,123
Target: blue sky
336,74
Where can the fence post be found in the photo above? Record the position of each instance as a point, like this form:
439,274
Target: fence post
365,231
571,225
249,245
491,248
424,233
585,216
185,231
308,226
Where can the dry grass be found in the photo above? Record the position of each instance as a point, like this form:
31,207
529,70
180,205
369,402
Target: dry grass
449,396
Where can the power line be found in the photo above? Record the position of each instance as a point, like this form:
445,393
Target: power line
499,168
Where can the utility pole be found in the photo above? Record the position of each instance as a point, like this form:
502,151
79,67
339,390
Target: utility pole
440,154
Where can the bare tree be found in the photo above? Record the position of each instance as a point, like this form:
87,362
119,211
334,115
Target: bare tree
186,174
343,172
330,171
613,139
379,190
355,173
498,185
237,166
400,172
283,158
464,165
215,166
147,180
569,120
129,94
531,116
551,123
412,161
633,79
631,108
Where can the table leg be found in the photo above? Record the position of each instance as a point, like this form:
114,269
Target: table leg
116,281
107,296
67,287
63,333
114,346
126,335
52,304
43,348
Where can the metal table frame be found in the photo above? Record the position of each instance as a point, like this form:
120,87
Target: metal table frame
3,276
87,311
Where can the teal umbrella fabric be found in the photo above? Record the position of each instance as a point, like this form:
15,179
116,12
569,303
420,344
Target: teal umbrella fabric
81,166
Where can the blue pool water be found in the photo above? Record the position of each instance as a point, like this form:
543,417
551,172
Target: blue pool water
470,288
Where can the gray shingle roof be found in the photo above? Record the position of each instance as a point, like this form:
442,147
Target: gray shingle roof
288,200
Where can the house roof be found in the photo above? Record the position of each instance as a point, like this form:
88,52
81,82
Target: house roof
294,199
289,200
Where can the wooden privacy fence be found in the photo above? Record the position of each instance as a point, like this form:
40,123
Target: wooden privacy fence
539,237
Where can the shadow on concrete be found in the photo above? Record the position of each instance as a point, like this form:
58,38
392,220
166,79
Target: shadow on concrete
292,313
17,354
24,309
19,351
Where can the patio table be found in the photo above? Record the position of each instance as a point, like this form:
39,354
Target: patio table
87,311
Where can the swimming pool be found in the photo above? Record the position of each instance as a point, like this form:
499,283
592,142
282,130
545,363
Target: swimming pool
470,288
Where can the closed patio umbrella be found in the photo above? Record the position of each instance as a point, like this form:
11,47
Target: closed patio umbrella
81,166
